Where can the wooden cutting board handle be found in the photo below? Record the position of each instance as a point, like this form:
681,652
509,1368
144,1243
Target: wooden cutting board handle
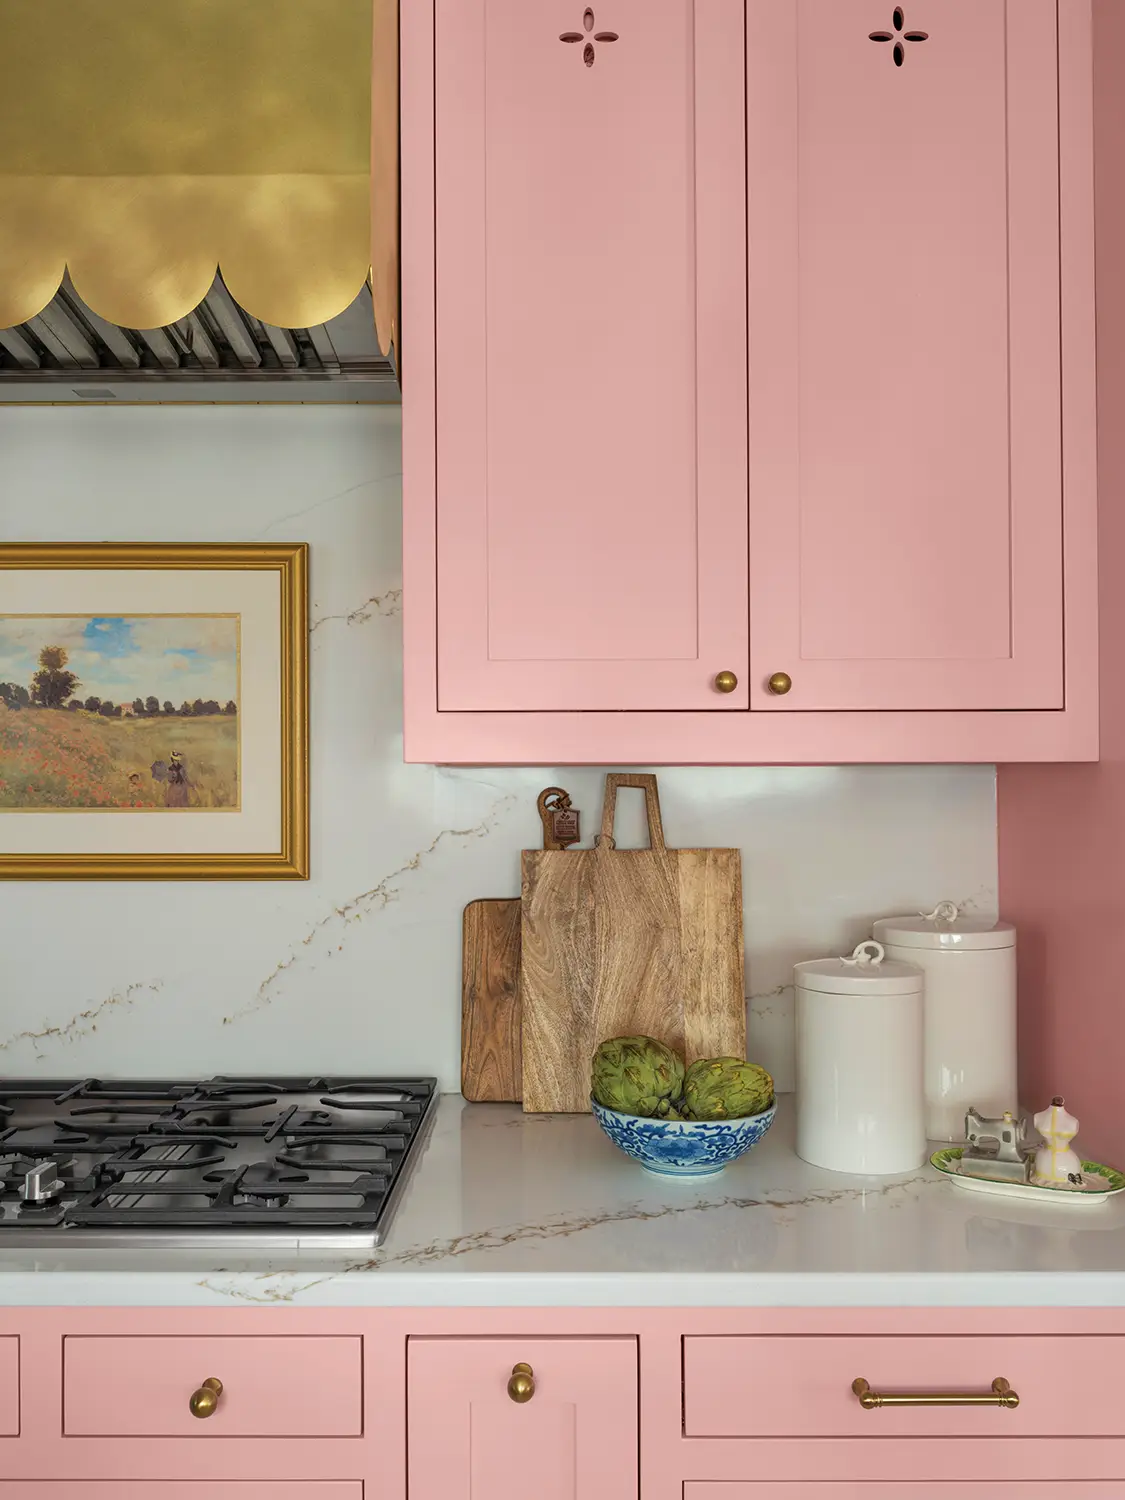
647,783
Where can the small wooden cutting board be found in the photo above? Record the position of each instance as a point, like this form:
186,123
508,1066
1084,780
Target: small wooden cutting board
491,1049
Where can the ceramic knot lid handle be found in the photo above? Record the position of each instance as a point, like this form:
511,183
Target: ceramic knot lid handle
869,952
944,911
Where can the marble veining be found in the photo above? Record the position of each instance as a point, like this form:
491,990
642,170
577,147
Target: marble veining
379,605
85,1023
376,899
441,1254
359,968
349,490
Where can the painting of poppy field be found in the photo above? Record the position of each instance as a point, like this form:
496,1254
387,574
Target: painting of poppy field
129,713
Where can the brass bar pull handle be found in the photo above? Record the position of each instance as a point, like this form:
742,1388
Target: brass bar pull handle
999,1394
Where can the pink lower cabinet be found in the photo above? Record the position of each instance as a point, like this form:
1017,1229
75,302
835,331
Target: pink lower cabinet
270,1387
563,1403
502,1419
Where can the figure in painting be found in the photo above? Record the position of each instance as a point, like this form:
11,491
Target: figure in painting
174,776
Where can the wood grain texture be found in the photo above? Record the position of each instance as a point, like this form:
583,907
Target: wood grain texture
625,942
490,1001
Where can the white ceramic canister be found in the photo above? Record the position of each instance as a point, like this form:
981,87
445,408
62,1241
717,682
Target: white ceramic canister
859,1063
970,1048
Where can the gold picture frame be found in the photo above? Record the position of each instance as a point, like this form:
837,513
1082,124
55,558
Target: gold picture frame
289,697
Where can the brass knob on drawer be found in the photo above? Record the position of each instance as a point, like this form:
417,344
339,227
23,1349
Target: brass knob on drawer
725,682
780,683
205,1400
521,1387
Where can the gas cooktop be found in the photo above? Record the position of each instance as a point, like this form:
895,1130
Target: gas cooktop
281,1163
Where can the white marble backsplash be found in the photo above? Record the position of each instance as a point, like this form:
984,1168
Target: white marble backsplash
359,968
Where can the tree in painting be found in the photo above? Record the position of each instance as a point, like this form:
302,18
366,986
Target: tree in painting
52,685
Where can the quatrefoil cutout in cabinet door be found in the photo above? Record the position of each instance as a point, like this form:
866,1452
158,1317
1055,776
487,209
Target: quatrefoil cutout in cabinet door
589,37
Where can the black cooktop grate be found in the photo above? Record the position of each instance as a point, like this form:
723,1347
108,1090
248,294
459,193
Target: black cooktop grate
225,1153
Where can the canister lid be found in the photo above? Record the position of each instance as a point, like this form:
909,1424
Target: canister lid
946,930
866,972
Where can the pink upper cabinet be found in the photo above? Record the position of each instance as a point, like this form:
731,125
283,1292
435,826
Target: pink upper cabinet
748,337
906,545
591,354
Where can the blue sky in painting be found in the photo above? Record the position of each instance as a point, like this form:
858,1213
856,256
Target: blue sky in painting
122,658
110,637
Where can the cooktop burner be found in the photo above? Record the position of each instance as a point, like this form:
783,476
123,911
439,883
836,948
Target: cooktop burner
285,1163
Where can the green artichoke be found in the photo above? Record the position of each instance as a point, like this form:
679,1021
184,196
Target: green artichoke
726,1088
636,1075
669,1109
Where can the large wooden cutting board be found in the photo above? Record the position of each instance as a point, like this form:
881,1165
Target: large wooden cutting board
622,942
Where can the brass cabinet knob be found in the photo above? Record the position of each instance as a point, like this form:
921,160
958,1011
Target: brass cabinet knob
725,682
521,1387
205,1400
780,683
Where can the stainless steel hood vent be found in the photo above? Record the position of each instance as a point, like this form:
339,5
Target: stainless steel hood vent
218,353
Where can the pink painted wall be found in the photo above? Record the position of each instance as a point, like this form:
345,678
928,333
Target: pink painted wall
1062,828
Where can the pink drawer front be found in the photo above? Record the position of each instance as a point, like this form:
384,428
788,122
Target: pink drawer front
9,1386
792,1386
905,1489
173,1489
272,1387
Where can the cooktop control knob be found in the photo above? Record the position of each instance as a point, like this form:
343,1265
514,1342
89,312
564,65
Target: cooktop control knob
42,1183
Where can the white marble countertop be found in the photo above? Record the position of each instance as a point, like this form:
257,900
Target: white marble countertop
507,1209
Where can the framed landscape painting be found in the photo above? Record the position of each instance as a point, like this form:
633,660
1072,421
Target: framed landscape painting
153,711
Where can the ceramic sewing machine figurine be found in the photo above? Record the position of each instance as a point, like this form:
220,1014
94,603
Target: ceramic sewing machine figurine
1056,1163
997,1148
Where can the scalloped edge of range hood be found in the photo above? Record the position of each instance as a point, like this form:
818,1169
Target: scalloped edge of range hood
218,354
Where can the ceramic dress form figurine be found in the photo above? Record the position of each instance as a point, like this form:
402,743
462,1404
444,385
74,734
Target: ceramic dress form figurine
1056,1164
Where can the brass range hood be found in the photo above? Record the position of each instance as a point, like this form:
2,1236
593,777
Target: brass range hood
186,206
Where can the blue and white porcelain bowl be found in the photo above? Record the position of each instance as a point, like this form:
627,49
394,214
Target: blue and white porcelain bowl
682,1148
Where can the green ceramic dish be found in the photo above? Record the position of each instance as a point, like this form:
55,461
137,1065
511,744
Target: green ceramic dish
1103,1181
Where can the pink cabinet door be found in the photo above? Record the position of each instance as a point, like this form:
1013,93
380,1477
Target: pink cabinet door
905,489
575,1439
591,354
